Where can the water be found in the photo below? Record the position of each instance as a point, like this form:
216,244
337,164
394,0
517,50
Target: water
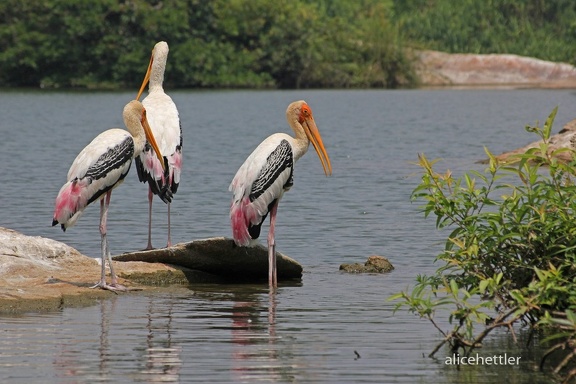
332,327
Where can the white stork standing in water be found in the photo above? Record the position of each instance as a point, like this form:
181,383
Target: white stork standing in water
100,167
266,174
165,124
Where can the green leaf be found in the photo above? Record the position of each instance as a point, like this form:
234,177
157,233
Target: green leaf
453,287
548,124
483,285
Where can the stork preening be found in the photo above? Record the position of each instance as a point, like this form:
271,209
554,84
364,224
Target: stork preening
165,124
100,167
266,174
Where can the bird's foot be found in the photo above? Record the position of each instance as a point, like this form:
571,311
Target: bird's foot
114,287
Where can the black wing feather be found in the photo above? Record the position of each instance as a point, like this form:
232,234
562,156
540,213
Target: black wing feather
277,162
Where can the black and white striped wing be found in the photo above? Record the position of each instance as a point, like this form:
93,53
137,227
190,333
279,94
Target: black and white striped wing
103,163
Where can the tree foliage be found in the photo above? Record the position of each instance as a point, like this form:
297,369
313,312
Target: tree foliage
535,28
261,43
220,43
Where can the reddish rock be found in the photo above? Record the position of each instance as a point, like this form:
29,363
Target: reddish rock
445,69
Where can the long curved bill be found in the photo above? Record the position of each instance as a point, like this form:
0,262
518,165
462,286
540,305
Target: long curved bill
152,140
146,78
316,140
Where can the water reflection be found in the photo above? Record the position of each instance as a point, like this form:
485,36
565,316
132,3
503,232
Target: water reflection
304,333
247,332
252,313
162,355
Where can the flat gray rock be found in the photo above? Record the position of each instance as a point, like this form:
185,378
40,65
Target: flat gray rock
221,257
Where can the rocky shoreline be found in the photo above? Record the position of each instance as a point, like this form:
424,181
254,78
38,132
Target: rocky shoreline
39,274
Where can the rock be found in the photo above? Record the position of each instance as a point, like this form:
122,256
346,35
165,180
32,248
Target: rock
444,69
219,257
566,138
374,264
40,274
23,257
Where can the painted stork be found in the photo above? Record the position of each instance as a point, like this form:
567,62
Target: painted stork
100,167
165,124
266,174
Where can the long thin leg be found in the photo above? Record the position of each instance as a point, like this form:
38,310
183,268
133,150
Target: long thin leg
150,198
169,244
272,275
104,204
104,245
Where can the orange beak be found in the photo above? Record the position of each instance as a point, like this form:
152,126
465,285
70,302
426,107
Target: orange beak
316,140
150,138
146,78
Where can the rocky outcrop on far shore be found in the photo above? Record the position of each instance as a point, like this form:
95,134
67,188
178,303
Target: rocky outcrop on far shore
472,70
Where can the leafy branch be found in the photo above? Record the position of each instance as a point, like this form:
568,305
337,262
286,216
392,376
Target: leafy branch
510,258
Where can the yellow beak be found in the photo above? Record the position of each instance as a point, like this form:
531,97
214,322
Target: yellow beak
316,140
146,78
150,138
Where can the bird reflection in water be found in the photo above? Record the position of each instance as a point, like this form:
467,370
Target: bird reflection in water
163,356
255,354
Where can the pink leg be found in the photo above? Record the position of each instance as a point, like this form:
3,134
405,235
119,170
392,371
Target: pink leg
150,197
272,275
169,244
114,286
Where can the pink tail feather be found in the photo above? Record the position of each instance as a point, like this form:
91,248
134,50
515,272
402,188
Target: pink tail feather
68,202
241,214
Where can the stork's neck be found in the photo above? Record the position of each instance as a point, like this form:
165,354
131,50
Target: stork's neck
157,74
134,126
301,141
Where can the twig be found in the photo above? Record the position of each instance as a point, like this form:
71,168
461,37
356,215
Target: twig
564,361
549,352
431,354
570,375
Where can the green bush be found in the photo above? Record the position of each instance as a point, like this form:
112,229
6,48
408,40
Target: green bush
213,44
510,257
534,28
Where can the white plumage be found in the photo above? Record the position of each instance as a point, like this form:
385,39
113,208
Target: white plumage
81,189
165,123
261,181
100,167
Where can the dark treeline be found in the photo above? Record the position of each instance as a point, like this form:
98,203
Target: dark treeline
263,43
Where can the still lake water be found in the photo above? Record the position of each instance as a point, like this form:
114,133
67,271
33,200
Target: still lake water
308,332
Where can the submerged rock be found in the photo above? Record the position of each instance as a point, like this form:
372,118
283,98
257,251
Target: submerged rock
221,258
374,264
